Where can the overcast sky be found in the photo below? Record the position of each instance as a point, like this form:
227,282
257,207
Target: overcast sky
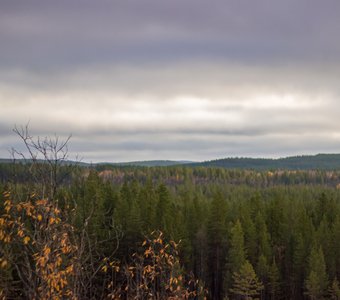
176,79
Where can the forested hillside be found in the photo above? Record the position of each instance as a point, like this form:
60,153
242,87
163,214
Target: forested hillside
281,228
305,162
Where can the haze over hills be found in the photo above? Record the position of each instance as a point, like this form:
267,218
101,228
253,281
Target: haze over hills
304,162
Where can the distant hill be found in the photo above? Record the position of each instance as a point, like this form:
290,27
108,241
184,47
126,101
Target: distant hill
23,161
147,163
304,162
150,163
5,160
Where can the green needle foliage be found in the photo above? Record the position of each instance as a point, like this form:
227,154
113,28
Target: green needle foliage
246,284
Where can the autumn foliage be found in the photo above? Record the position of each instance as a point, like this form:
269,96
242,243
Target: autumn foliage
36,249
154,274
38,260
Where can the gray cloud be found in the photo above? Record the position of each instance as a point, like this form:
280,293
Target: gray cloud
64,33
177,79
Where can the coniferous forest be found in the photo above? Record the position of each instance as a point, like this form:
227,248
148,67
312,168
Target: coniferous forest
178,232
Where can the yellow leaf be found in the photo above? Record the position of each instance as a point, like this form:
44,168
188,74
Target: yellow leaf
69,269
104,269
26,240
47,251
39,217
3,264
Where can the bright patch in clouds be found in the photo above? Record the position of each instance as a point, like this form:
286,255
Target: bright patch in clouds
278,101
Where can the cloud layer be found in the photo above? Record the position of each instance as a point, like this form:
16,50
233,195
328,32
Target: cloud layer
172,80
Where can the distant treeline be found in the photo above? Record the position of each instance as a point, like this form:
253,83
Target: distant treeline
178,175
305,162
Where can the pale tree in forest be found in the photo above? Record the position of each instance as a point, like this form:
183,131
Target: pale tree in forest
334,290
246,285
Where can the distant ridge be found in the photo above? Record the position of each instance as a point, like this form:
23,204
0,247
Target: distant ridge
150,163
27,161
303,162
146,163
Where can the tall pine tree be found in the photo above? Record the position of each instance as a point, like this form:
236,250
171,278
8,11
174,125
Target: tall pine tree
316,282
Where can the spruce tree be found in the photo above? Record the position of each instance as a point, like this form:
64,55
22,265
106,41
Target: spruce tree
316,282
274,281
148,202
246,284
216,236
163,208
237,255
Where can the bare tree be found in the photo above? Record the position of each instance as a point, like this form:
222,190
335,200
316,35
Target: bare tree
45,156
37,231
